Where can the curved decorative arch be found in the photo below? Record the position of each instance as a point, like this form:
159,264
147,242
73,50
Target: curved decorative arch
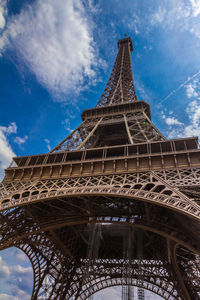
166,290
157,226
146,187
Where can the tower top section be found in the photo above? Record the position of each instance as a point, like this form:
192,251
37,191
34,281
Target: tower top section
126,40
120,86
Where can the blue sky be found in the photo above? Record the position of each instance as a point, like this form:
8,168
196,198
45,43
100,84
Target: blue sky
56,57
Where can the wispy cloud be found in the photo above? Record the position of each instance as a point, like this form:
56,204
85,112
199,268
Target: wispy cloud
54,39
158,16
12,128
19,140
144,93
191,125
180,86
179,15
48,144
134,23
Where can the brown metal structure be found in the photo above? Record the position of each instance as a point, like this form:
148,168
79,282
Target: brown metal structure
115,203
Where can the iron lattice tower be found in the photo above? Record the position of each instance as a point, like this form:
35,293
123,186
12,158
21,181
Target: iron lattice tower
115,203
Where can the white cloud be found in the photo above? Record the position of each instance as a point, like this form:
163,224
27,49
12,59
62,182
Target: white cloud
8,297
3,13
20,295
19,140
192,130
195,7
4,269
172,121
190,89
16,280
18,283
193,111
19,269
6,152
54,39
176,133
21,256
193,127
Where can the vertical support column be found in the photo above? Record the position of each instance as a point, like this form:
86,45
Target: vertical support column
92,254
127,292
140,291
127,289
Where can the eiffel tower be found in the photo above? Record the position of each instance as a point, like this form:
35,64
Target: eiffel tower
114,204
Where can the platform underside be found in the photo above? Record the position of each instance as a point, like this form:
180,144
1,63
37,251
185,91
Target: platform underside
56,235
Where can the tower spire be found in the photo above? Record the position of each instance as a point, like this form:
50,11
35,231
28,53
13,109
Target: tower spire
120,86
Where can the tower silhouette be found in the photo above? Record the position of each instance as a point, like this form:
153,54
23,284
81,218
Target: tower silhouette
115,203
